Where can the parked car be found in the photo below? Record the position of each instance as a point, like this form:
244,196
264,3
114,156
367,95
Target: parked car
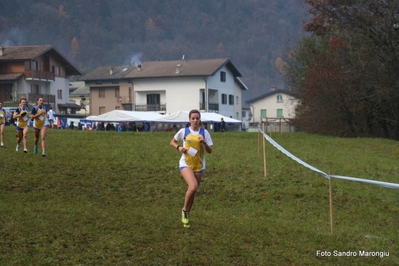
10,111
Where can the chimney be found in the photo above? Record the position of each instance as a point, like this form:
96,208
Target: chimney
1,51
111,71
178,69
139,67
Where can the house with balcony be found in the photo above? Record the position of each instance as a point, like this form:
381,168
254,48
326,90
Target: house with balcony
273,105
35,71
209,85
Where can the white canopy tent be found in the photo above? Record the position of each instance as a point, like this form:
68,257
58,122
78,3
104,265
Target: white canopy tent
182,117
214,117
125,116
154,118
211,120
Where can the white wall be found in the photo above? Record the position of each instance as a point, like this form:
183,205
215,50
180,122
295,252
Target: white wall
47,88
178,93
225,88
247,119
183,93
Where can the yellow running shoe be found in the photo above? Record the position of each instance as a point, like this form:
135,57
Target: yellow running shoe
184,219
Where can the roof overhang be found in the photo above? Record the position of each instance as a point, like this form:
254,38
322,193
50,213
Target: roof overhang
10,77
63,106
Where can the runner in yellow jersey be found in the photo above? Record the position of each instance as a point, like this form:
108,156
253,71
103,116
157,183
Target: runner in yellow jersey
22,125
40,123
196,140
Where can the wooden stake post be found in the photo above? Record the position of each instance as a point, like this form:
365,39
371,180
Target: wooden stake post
259,137
264,151
331,205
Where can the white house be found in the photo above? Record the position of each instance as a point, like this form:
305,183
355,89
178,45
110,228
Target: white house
274,104
210,85
246,117
79,94
35,71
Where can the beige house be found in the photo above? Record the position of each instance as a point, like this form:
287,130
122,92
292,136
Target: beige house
210,85
274,104
35,71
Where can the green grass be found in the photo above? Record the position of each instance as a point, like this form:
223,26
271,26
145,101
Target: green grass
108,198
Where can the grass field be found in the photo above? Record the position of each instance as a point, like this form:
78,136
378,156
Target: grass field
108,198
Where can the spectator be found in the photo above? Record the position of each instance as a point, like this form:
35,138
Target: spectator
119,129
128,126
51,117
101,126
222,125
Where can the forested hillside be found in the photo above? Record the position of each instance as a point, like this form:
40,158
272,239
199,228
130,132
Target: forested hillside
254,34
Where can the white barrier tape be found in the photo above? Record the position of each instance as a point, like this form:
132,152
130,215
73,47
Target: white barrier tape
374,182
275,144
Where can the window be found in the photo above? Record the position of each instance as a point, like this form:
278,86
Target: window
153,102
224,98
59,94
116,92
153,99
279,98
222,76
237,117
35,89
263,113
34,65
237,102
57,70
101,110
244,114
231,99
115,81
117,107
279,112
99,82
101,93
8,92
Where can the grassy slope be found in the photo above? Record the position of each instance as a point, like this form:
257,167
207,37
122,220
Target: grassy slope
107,198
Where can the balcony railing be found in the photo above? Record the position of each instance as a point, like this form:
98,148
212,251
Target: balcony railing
212,106
48,98
150,107
39,74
